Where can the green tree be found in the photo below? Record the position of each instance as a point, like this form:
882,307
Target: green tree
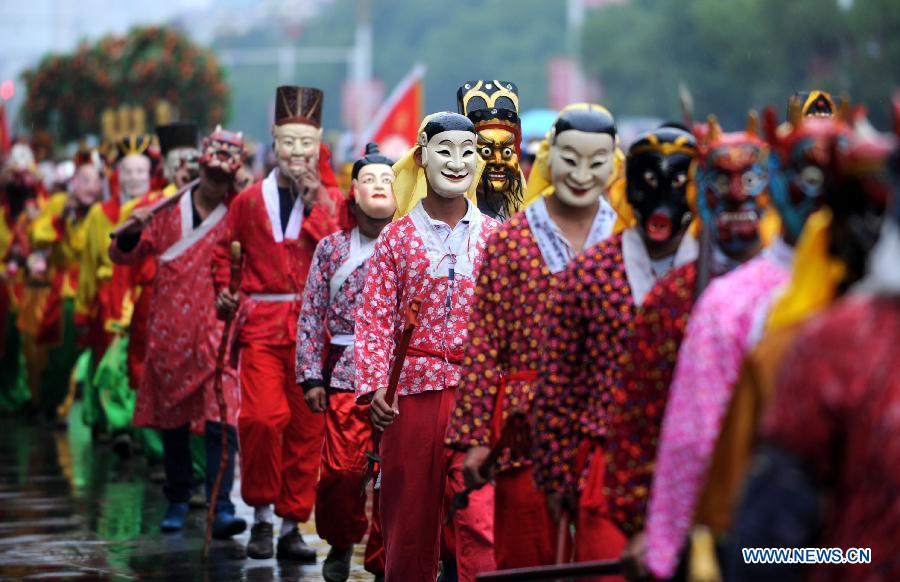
741,54
67,93
459,41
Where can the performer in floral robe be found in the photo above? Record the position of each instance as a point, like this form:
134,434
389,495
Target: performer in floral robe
588,325
278,222
177,388
22,197
732,199
326,370
431,253
516,287
724,325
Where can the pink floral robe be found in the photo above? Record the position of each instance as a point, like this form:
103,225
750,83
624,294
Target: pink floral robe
717,337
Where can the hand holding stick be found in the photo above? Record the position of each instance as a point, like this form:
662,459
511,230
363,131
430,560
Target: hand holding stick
412,318
131,222
234,284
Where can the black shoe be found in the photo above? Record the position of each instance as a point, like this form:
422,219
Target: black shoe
123,446
337,565
260,545
292,547
448,571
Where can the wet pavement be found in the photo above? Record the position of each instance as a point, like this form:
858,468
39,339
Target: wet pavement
72,510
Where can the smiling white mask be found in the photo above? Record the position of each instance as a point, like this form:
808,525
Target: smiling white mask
580,165
449,159
374,188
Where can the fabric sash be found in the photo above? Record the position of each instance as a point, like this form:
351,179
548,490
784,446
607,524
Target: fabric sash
553,246
275,297
455,357
190,235
343,340
505,379
359,254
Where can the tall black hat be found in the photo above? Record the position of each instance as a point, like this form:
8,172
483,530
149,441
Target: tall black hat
488,102
177,135
298,105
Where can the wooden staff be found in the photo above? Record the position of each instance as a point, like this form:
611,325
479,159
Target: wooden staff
412,318
564,539
155,209
564,571
234,284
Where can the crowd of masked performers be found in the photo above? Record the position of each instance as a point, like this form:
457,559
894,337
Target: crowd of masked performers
654,354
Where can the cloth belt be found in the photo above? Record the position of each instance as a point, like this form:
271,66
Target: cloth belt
452,357
275,297
505,379
342,339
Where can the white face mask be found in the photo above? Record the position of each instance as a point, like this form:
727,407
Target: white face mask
134,176
86,185
178,158
374,188
450,159
580,165
297,148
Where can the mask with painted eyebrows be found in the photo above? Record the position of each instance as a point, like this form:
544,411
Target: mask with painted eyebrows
448,154
582,154
493,107
657,171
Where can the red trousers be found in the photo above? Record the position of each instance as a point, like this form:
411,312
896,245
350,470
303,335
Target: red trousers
524,533
280,437
416,471
596,536
340,508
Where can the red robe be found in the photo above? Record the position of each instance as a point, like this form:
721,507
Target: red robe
183,332
142,282
281,439
836,407
275,263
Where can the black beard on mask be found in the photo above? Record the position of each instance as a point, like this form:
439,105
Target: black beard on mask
218,174
500,205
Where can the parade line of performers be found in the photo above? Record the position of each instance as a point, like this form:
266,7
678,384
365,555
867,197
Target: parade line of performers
663,354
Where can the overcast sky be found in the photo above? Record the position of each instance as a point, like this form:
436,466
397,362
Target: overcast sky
30,28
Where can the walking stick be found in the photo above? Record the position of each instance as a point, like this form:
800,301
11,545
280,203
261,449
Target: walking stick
565,571
563,540
155,209
234,283
412,318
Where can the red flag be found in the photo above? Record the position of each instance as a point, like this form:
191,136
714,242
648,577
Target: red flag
396,123
4,132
